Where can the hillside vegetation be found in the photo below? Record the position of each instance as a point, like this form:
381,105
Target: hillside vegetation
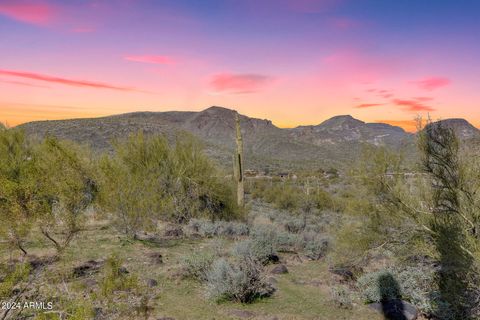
152,229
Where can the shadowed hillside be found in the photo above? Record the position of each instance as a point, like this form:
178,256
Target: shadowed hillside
333,143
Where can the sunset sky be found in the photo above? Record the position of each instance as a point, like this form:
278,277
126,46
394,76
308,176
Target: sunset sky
295,62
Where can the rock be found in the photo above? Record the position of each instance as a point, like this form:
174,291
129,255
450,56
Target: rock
123,270
396,309
174,232
88,268
151,283
279,269
156,257
345,274
242,314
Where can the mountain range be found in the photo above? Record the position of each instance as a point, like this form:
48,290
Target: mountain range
335,142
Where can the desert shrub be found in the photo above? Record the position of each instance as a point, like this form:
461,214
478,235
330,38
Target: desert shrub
295,224
196,265
67,180
20,198
341,296
414,284
287,241
208,228
238,281
116,278
379,286
322,199
13,277
147,179
315,246
262,245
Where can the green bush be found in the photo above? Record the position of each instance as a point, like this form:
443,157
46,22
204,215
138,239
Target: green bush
115,278
261,247
197,264
379,286
208,228
239,281
148,179
414,284
13,277
342,297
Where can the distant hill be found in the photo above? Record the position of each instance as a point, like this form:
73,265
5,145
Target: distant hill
335,142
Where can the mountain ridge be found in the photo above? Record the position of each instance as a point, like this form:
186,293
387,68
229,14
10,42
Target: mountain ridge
336,142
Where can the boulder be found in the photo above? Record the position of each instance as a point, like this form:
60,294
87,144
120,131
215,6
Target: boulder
396,309
279,269
87,268
151,283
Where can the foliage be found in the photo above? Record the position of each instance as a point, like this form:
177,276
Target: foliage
379,286
238,281
21,199
341,296
67,177
197,264
261,247
115,278
207,228
13,277
147,179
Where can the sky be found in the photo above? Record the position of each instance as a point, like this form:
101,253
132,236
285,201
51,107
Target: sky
295,62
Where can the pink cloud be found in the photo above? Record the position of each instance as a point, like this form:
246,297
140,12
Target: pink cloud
68,82
154,59
432,83
21,83
412,105
424,99
33,12
239,83
368,105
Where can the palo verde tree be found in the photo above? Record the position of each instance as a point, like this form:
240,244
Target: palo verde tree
148,179
21,200
453,226
68,185
438,206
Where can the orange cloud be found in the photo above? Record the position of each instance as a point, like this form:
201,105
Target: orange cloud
39,13
155,59
239,83
412,105
68,82
432,83
368,105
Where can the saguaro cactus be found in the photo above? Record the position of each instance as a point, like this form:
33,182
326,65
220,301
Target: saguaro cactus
238,163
